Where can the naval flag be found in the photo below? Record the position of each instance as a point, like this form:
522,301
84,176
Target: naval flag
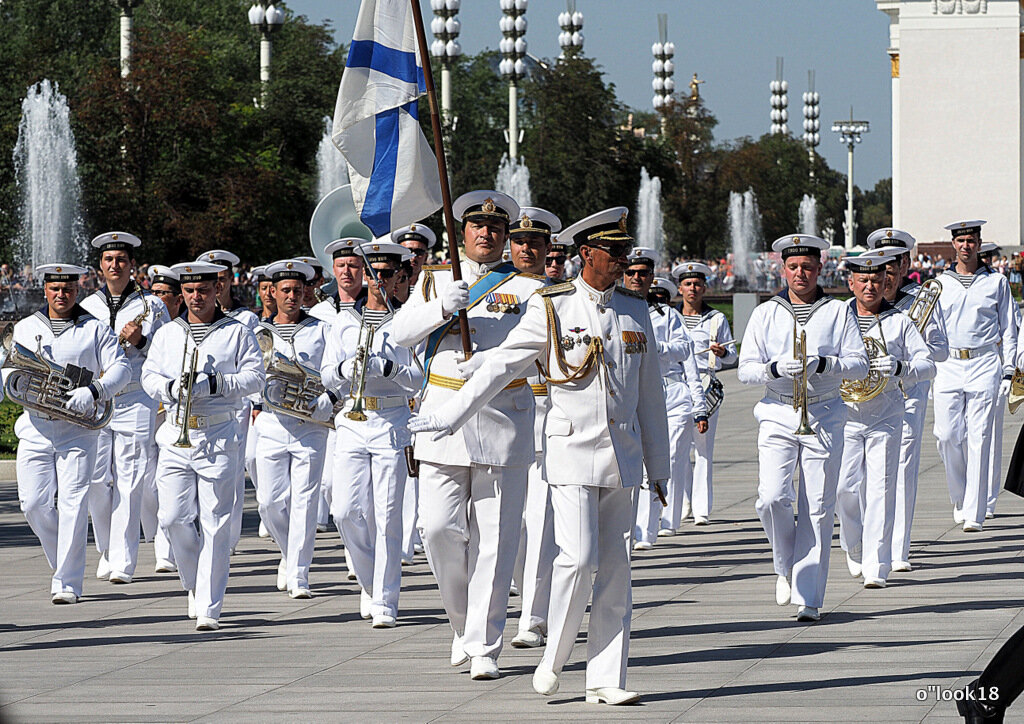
391,166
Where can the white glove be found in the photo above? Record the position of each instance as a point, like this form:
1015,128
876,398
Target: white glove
471,365
455,297
375,365
80,400
791,368
322,408
201,387
1004,388
429,423
885,364
348,369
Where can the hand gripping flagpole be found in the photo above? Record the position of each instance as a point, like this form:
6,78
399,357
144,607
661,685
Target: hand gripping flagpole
442,169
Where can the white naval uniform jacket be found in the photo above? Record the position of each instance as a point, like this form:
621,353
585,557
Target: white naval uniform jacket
684,393
935,331
832,334
501,432
228,351
307,345
978,317
134,408
603,429
712,327
85,342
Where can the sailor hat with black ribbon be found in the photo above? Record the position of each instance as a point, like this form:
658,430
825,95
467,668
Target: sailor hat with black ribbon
888,236
872,261
160,274
343,247
967,226
690,270
311,260
415,232
660,284
117,241
60,272
533,220
604,227
799,245
988,247
643,255
190,272
259,273
486,205
379,250
219,256
290,269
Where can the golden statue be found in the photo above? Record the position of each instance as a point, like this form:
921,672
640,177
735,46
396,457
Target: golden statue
695,88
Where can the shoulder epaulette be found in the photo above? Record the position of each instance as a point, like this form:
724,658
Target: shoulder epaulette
563,288
528,275
630,293
436,267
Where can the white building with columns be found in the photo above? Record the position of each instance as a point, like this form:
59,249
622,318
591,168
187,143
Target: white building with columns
956,115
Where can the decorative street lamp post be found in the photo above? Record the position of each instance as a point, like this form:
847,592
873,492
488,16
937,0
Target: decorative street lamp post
664,68
127,6
570,40
780,101
849,133
811,123
266,19
445,27
512,66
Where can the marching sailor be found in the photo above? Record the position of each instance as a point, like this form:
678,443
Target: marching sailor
165,286
473,485
376,377
684,398
264,285
772,356
419,240
290,457
713,340
866,495
605,423
916,402
56,454
123,447
267,312
978,310
313,293
201,442
529,242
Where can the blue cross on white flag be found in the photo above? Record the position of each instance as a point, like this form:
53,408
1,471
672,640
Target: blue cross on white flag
390,164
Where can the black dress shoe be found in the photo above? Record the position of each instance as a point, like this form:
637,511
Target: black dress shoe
975,711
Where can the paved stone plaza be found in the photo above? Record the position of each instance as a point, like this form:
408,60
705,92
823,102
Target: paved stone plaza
709,644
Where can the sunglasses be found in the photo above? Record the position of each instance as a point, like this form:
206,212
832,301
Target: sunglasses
385,273
616,251
418,252
555,260
637,272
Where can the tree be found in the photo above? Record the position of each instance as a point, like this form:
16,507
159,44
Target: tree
875,209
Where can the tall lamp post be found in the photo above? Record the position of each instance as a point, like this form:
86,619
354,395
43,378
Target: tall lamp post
267,19
780,101
850,133
446,48
811,123
127,6
664,68
512,66
570,40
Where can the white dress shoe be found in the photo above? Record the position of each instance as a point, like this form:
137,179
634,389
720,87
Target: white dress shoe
700,520
529,639
205,623
417,547
120,578
807,613
611,695
406,561
871,582
191,604
783,592
666,532
282,576
321,527
459,656
971,527
63,598
855,568
364,605
642,545
545,681
958,515
384,620
103,567
300,592
902,566
483,667
165,566
513,589
989,515
264,533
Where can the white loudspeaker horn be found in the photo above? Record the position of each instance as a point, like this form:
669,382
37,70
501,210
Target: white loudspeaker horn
335,217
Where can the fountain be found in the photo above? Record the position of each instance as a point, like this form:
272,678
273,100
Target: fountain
808,215
514,179
744,234
331,167
649,230
46,171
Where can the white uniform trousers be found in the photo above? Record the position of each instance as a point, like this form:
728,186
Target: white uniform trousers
289,465
963,426
681,433
537,552
151,530
995,465
800,549
238,502
323,515
369,474
701,498
648,512
43,472
866,495
115,496
200,482
410,516
592,532
470,518
914,409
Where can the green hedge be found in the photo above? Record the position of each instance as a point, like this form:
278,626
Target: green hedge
8,440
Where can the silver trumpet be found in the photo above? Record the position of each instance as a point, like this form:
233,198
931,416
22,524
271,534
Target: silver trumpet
292,388
43,386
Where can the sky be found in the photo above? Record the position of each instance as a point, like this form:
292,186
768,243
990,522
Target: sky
731,44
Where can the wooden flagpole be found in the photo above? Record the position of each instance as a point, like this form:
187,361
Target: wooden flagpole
442,169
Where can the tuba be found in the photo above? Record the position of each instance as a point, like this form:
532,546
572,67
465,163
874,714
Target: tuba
859,391
42,386
335,217
291,388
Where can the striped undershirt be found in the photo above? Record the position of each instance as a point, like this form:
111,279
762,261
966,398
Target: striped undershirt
802,312
198,330
865,321
965,279
691,320
286,330
58,325
376,317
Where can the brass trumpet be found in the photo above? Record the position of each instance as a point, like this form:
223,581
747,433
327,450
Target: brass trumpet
123,341
184,408
362,354
800,383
